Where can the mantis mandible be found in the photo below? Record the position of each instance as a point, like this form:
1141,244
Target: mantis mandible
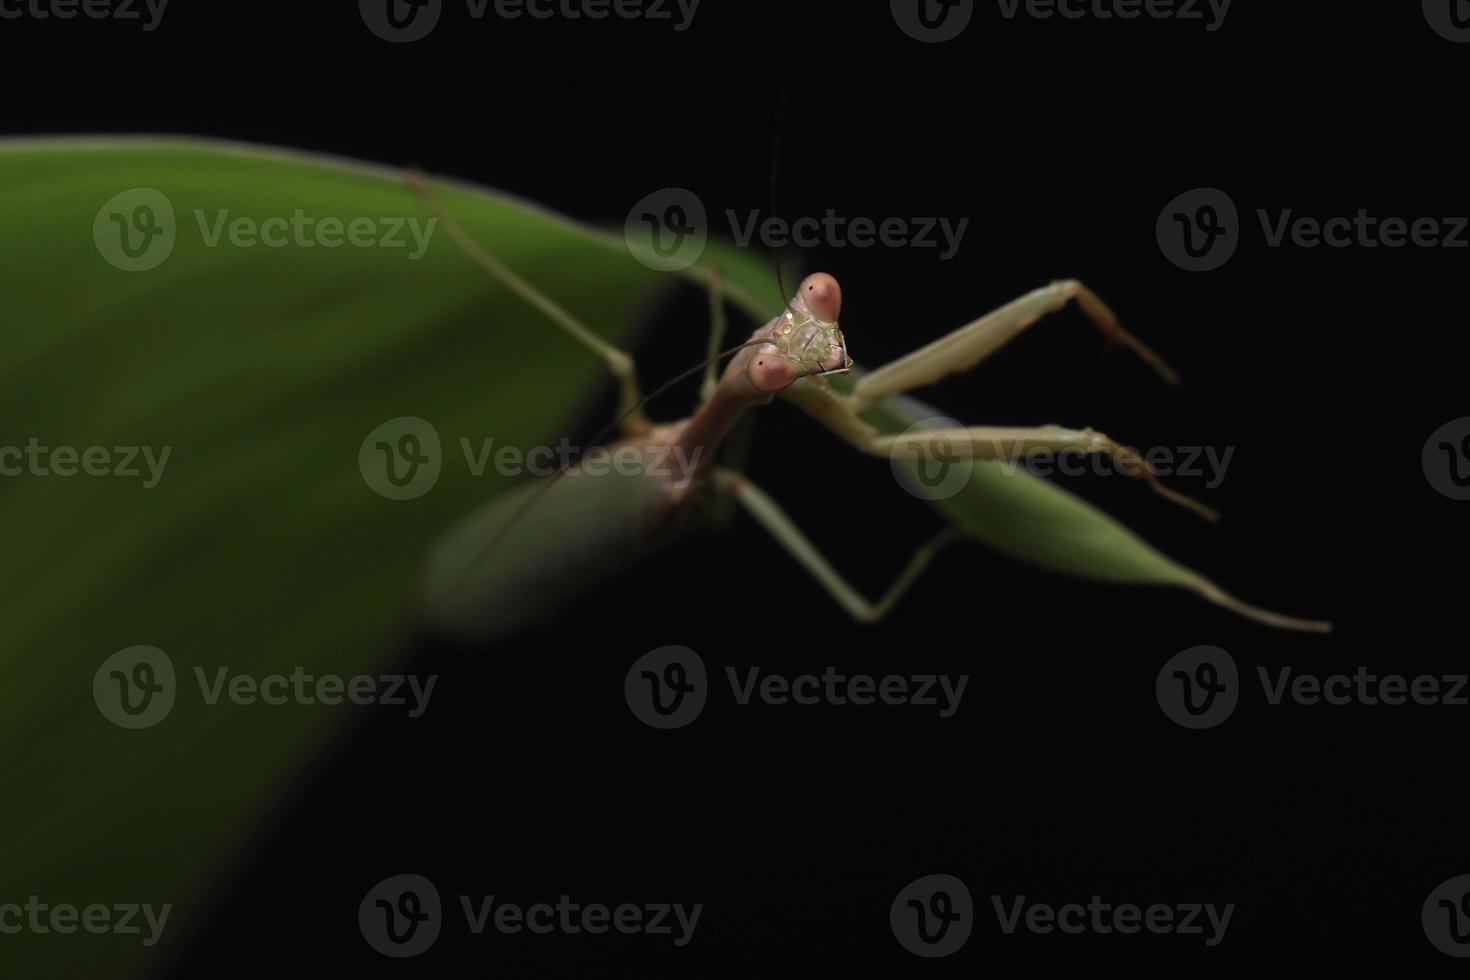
494,572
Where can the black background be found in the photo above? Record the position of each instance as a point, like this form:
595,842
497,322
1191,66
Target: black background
1059,778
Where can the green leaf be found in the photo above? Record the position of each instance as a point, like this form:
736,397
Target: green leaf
262,369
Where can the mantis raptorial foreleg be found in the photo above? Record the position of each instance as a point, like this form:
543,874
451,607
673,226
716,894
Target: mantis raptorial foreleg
619,362
969,345
770,515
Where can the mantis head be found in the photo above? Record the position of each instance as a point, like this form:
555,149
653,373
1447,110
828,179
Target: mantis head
805,339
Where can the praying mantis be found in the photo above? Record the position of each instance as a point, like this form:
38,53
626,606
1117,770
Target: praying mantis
536,548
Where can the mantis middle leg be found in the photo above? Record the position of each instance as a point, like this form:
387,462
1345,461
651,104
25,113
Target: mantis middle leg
770,515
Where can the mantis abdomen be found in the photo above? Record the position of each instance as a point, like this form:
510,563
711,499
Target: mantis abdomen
537,547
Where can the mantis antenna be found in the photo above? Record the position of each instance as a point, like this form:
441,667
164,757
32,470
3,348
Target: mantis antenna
778,134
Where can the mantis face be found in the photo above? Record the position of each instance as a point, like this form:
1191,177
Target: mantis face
805,340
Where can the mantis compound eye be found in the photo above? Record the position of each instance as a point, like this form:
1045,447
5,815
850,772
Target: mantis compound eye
772,371
822,296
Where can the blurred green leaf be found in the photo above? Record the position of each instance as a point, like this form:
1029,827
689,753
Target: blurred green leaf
262,548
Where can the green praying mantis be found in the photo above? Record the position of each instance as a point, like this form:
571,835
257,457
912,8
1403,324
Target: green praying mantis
536,548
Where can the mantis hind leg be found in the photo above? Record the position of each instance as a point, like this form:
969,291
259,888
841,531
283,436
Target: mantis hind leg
770,515
969,345
619,362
